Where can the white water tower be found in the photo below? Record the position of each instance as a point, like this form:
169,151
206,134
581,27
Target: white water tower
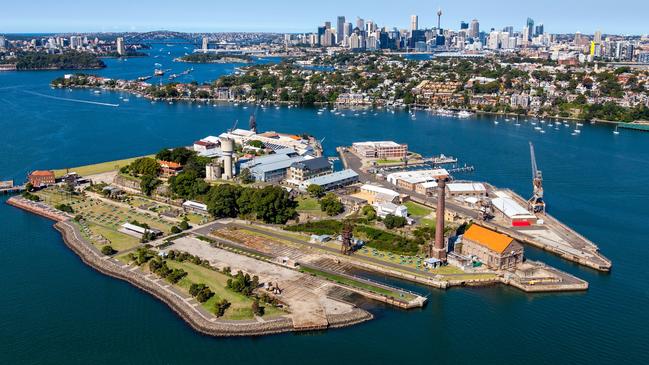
227,147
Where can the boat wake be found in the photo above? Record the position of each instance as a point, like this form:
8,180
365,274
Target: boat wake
72,100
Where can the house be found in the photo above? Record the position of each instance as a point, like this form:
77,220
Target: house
383,209
494,249
40,179
170,168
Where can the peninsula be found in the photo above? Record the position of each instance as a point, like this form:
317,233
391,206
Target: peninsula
251,233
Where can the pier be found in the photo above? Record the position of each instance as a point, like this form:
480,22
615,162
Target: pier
8,187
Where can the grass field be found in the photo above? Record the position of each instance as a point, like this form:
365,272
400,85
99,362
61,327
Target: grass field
98,168
417,210
309,205
357,284
119,241
241,306
387,162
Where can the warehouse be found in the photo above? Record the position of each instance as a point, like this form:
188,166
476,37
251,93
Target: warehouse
466,189
515,214
274,167
373,193
410,179
494,249
334,180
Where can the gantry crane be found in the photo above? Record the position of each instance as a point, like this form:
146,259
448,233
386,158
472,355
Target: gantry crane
536,202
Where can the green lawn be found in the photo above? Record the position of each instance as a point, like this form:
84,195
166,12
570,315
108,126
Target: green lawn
98,168
241,307
417,210
119,241
357,284
387,162
309,205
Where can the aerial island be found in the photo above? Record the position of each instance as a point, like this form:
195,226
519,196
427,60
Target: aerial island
254,233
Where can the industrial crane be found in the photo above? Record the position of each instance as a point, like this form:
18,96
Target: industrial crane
536,202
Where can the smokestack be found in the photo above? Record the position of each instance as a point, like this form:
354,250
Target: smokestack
439,251
227,147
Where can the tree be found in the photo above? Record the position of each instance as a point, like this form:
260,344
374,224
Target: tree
175,230
392,221
220,307
221,201
108,250
148,183
188,184
145,166
315,191
246,177
184,225
272,204
369,212
257,309
29,187
331,205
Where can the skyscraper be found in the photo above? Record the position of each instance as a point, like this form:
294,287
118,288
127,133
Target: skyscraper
530,28
597,38
119,43
464,25
340,28
474,29
414,22
360,24
205,44
3,42
539,30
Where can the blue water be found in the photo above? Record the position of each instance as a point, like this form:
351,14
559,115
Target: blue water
55,309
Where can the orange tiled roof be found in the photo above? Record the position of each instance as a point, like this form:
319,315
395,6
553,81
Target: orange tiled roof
42,173
493,240
170,164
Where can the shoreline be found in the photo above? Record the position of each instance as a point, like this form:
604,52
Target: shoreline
319,104
196,320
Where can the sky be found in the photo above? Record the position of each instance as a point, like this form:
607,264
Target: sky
558,16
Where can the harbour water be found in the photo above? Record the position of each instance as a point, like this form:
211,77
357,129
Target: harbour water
57,310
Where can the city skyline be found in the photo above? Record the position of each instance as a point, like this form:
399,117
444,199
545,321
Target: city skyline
292,17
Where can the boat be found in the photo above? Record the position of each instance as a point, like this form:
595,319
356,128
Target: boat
542,131
616,131
577,131
495,122
319,113
579,124
463,114
158,72
537,128
97,91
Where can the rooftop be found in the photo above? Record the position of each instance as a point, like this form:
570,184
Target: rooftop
332,178
494,241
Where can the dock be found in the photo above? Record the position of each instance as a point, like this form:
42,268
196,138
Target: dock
7,187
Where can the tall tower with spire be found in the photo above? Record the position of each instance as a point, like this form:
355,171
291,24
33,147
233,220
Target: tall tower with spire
439,20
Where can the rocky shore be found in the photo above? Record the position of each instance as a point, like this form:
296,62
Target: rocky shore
207,325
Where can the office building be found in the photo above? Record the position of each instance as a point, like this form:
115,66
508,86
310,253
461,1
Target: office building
529,27
340,29
474,29
414,22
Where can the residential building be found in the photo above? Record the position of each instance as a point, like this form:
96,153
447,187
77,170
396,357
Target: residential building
169,168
